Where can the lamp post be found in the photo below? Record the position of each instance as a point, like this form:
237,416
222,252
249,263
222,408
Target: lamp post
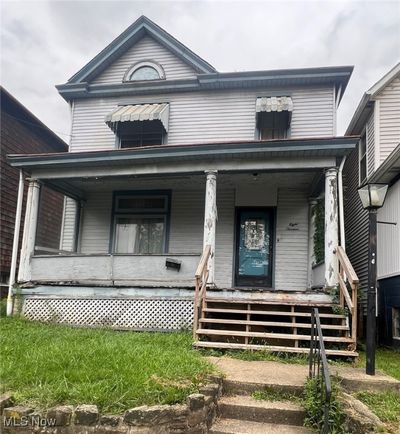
372,197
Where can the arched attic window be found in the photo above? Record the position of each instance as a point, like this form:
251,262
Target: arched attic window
144,71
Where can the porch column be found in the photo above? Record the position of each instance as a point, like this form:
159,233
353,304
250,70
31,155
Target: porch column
210,220
331,228
29,236
311,233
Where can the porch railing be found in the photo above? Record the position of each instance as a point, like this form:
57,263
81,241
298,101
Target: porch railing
319,368
201,278
348,280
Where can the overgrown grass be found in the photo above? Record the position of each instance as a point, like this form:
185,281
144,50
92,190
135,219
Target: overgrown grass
386,405
271,394
247,355
49,364
313,403
387,361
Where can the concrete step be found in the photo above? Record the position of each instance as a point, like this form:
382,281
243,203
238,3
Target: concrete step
234,426
271,348
246,408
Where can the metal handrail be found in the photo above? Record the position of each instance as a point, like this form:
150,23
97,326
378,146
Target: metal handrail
201,278
319,368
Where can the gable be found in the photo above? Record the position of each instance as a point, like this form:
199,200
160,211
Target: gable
134,33
146,49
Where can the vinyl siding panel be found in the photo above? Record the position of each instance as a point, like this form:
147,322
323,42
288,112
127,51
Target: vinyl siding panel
370,137
95,224
389,118
356,224
69,225
186,231
146,49
200,117
389,235
291,245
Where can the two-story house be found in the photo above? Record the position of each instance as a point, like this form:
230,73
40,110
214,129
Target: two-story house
377,160
186,185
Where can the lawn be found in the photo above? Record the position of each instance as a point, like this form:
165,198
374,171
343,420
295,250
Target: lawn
387,361
49,364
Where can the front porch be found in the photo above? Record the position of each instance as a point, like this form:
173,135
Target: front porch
136,228
260,226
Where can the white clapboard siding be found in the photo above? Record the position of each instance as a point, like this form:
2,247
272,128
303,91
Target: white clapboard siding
389,235
291,245
224,242
370,137
95,224
186,232
67,241
389,118
200,117
146,49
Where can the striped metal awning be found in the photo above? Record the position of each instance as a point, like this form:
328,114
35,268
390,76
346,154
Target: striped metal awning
274,104
138,113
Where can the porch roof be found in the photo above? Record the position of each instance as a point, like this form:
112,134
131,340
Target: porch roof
290,148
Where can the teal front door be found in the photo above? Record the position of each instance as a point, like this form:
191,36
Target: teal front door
254,247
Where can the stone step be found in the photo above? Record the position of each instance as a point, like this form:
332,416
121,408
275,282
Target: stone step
235,426
246,408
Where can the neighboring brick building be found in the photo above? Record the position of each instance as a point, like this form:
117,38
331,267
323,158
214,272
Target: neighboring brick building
23,133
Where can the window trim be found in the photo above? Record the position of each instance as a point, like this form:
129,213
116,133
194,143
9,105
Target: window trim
361,157
150,63
115,213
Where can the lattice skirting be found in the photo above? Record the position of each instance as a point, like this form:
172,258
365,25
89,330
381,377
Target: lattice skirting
136,314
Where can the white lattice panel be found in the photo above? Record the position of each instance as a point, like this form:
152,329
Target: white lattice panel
136,314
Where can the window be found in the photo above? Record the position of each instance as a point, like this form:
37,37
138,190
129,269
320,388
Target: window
363,158
396,322
140,222
144,71
273,125
144,133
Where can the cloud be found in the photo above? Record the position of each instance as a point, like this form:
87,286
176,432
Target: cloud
44,43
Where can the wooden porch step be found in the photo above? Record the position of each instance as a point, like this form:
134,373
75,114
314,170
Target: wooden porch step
270,348
272,302
270,323
283,336
273,312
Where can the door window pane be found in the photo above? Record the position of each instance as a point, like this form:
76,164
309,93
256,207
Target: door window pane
141,235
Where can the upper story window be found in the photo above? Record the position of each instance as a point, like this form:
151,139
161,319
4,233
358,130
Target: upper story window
139,125
273,117
144,71
362,152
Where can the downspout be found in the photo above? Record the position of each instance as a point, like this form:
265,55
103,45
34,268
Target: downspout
341,204
14,255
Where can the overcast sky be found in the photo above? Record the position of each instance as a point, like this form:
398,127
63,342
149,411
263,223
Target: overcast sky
45,43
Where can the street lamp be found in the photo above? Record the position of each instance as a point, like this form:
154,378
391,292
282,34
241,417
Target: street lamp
372,197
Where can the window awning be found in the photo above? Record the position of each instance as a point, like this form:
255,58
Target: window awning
274,104
138,113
